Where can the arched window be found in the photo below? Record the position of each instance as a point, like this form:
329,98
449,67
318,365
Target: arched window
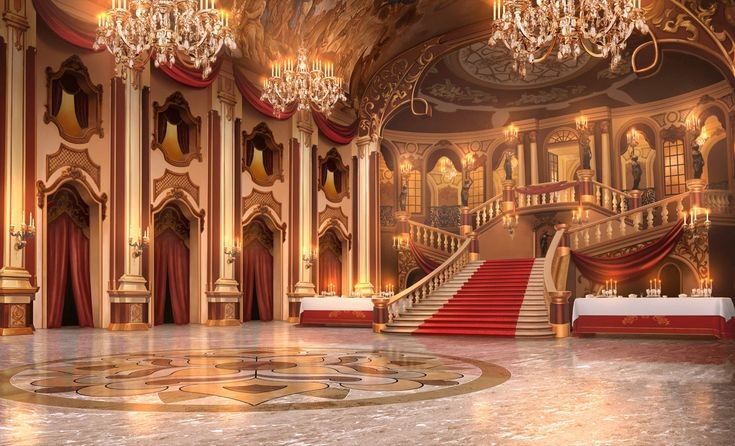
334,176
263,157
674,164
74,103
477,190
176,131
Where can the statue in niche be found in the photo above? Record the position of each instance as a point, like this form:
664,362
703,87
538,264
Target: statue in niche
403,196
584,144
508,166
637,171
697,161
466,185
544,243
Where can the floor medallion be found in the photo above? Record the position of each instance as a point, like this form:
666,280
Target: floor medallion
247,379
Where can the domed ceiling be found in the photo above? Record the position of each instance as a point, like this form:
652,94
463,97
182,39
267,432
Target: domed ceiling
475,88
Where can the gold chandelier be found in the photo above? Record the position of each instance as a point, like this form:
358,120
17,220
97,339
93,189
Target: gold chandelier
531,29
136,30
313,86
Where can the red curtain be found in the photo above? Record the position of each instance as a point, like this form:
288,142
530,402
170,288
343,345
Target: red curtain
251,93
77,32
182,134
190,76
337,133
330,271
171,272
69,249
629,266
257,281
81,109
426,260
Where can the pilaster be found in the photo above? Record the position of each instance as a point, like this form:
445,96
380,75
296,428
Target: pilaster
534,156
365,147
305,285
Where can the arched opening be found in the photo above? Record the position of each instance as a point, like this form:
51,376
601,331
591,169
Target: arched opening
68,254
258,271
332,262
562,154
171,267
414,276
671,280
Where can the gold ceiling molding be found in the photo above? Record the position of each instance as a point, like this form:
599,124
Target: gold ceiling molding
259,199
173,180
68,157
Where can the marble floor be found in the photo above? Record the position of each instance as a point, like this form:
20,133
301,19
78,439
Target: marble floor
273,383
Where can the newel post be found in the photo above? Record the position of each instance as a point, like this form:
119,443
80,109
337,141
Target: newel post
380,313
635,199
559,313
586,189
509,196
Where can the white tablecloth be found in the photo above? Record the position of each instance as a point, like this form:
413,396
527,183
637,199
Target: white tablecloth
645,306
335,303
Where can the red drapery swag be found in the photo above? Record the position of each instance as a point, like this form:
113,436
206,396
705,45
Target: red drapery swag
69,259
426,259
330,271
337,133
77,32
629,266
171,273
257,281
190,76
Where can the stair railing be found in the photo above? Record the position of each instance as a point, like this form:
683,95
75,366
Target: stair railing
486,211
565,195
642,219
610,198
717,201
419,291
434,238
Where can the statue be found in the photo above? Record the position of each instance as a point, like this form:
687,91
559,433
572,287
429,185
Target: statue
465,194
544,243
697,161
584,143
636,171
508,166
403,197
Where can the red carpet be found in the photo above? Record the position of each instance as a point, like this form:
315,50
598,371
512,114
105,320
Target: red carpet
488,304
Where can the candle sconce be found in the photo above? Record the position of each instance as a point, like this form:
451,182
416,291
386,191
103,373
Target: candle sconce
139,243
580,216
400,243
310,259
26,232
654,288
694,224
611,288
232,252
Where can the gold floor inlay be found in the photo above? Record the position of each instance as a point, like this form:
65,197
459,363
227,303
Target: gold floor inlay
246,379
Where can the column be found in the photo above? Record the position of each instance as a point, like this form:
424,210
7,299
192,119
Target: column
305,285
534,157
605,153
593,160
365,147
16,290
224,300
521,155
129,295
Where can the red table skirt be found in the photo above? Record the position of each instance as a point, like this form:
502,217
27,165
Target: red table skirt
680,325
337,317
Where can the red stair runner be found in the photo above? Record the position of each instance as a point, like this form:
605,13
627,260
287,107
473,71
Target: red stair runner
488,304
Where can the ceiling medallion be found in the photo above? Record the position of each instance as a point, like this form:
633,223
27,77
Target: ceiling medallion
532,29
137,30
293,82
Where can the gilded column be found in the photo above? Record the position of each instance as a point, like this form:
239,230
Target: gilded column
593,160
521,155
129,297
16,290
224,301
605,153
365,148
305,285
534,157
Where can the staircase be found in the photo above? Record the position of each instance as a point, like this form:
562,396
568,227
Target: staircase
486,298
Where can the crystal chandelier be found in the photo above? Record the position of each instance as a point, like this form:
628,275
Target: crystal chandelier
532,29
315,86
160,29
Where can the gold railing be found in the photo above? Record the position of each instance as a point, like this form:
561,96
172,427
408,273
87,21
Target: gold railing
438,239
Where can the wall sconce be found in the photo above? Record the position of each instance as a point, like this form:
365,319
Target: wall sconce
582,123
311,258
406,167
400,243
468,162
632,137
692,124
26,232
511,133
693,227
510,223
580,216
232,252
139,243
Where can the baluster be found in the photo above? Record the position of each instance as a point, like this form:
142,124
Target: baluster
623,204
478,218
598,195
637,221
609,229
543,198
606,200
586,237
622,225
598,233
576,239
614,202
650,218
680,207
664,214
528,200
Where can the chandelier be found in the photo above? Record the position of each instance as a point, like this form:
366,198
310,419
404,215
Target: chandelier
531,29
136,30
308,86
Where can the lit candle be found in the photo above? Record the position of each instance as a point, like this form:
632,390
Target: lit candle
706,213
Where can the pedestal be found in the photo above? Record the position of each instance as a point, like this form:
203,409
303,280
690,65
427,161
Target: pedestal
696,192
465,226
16,302
635,198
509,196
128,310
586,189
559,313
294,307
223,308
380,313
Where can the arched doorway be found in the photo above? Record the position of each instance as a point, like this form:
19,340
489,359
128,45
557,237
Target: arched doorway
414,276
671,283
257,271
331,265
171,267
68,282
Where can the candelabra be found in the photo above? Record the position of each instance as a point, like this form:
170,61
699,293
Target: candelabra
388,291
232,252
580,216
654,288
468,162
705,288
400,243
310,259
696,134
330,291
511,134
611,288
510,223
582,124
693,223
26,231
138,243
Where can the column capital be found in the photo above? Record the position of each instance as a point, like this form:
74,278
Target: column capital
604,127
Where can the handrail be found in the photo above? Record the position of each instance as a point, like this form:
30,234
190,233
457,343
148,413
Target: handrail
566,194
434,237
624,219
610,198
549,282
480,206
424,287
487,211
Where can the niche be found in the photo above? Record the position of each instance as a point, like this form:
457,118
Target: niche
263,157
176,131
74,103
333,176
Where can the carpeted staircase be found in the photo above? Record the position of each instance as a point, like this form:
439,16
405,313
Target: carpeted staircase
487,298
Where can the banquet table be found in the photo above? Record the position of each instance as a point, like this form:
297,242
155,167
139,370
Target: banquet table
337,311
702,316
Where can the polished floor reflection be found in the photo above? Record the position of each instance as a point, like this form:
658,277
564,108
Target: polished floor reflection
321,386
